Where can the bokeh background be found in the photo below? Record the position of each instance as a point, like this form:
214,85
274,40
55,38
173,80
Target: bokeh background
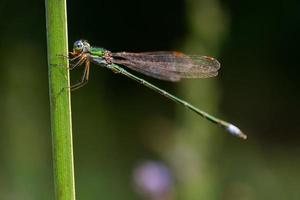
131,143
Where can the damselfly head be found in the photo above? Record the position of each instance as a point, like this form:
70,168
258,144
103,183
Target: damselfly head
81,46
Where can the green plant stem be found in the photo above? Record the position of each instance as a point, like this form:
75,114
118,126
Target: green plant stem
60,103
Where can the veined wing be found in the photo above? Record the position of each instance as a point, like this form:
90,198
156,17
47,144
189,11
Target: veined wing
168,65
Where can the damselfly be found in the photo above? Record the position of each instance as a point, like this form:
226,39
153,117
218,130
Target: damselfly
164,65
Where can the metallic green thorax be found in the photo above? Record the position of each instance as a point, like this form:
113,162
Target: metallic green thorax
97,51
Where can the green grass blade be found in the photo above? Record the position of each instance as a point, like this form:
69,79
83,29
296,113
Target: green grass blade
60,103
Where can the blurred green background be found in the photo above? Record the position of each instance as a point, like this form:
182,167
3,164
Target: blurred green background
118,124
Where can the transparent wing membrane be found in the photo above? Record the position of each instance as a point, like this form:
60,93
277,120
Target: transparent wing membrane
166,65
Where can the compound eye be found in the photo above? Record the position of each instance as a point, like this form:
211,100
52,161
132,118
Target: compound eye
78,45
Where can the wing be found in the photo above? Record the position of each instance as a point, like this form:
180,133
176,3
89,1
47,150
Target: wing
168,65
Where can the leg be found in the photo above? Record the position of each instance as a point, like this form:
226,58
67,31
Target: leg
84,79
82,59
70,59
74,58
72,54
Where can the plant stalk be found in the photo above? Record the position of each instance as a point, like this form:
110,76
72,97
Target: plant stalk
60,101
